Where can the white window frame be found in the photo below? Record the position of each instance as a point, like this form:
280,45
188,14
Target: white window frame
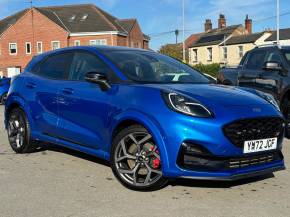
13,54
28,43
209,54
225,53
41,46
52,48
194,55
101,42
241,51
77,43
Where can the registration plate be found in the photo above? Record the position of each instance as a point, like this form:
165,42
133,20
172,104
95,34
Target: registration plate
260,145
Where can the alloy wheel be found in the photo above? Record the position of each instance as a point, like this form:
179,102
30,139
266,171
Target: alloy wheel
137,159
16,131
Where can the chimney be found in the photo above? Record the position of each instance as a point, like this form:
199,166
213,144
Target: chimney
222,21
207,25
248,25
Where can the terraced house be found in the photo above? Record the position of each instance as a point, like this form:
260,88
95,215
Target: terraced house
40,29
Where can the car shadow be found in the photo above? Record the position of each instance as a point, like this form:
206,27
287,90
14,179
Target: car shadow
172,182
218,184
77,154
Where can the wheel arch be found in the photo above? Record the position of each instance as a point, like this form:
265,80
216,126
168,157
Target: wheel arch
16,102
134,117
285,95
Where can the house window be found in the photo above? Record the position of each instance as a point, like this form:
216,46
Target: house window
39,47
13,48
209,54
225,53
194,55
241,51
77,43
55,45
98,42
28,47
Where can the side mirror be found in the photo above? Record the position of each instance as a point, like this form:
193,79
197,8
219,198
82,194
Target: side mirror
272,66
97,78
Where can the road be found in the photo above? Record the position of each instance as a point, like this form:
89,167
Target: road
56,182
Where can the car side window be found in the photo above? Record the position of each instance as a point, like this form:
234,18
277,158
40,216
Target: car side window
256,60
84,63
274,56
54,67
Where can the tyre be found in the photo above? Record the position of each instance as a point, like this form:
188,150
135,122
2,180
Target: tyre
3,99
19,132
135,160
286,113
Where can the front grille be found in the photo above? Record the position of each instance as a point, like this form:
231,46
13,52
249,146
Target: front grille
253,129
251,161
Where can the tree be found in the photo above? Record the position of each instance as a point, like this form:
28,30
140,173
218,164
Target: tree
173,50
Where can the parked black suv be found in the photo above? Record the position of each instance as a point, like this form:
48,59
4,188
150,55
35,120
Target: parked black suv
266,69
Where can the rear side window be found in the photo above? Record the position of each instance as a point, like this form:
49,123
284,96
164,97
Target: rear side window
84,63
54,67
256,60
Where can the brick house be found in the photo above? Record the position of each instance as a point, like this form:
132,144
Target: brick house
40,29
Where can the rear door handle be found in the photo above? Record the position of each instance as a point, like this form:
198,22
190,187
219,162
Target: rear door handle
31,85
68,91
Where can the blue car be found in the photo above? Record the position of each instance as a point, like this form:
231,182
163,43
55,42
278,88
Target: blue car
4,87
153,117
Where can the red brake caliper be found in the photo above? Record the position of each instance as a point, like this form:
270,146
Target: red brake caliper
156,161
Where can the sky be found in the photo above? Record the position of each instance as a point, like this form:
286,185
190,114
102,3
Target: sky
159,16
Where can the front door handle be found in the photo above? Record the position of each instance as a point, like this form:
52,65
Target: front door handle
30,85
68,91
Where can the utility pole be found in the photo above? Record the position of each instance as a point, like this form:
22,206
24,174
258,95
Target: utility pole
278,22
183,29
32,47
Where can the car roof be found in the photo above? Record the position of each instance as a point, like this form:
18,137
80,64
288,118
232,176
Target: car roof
99,48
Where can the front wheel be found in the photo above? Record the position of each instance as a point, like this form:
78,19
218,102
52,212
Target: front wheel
286,113
135,160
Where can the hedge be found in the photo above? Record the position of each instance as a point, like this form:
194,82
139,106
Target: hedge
211,69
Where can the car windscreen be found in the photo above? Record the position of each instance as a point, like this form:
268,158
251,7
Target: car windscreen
287,55
151,67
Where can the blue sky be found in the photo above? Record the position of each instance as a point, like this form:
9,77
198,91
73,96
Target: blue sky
157,16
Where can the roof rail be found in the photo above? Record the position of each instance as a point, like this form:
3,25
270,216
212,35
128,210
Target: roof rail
267,45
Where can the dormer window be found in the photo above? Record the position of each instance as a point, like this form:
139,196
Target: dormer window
84,17
72,18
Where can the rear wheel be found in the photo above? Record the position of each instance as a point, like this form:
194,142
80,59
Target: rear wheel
19,132
135,160
3,98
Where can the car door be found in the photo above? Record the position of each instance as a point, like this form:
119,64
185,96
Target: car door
252,68
269,81
41,89
84,109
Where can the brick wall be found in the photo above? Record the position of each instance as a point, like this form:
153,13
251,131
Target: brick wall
85,40
45,31
136,38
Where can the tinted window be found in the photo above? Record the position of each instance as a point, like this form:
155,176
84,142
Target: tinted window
274,56
256,60
287,55
84,63
152,67
54,67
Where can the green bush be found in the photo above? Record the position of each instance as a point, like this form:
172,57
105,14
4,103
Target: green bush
211,69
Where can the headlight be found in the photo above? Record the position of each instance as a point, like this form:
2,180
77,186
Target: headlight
269,98
186,106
